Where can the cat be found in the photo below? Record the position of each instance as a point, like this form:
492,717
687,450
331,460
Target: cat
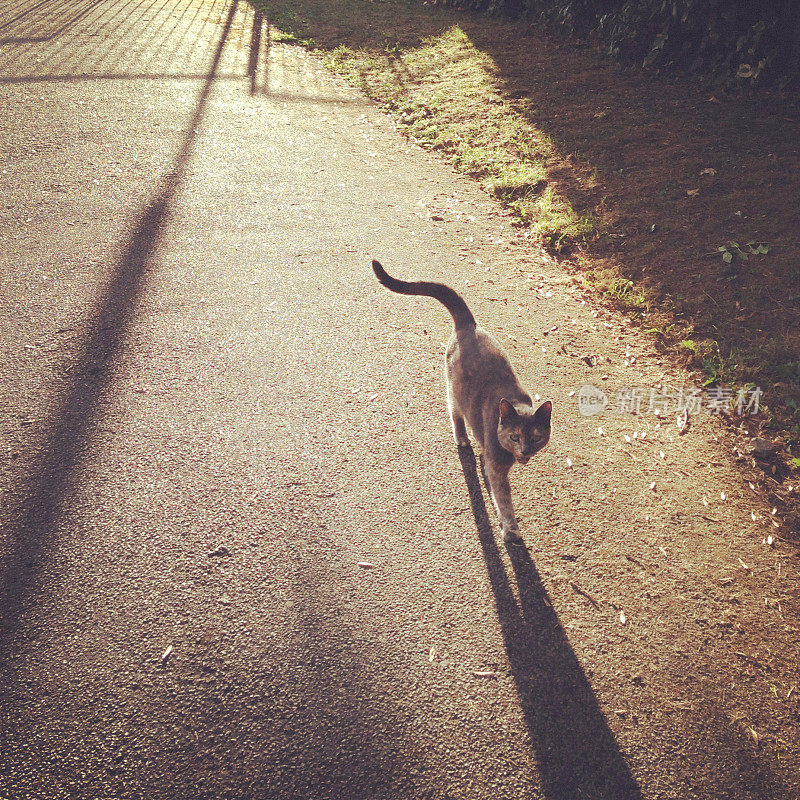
483,393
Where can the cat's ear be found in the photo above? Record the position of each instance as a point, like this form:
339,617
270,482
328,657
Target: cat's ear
507,411
542,415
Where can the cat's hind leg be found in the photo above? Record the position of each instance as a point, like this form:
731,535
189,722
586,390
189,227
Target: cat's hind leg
457,423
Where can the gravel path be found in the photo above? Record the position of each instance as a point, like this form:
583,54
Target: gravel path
240,555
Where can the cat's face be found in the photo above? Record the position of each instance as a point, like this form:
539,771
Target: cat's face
522,431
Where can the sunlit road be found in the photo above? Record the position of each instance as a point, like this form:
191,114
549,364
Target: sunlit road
241,558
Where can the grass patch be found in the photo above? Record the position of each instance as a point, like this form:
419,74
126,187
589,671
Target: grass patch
280,37
447,93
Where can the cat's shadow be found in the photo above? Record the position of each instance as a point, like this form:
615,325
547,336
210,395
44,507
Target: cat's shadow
576,752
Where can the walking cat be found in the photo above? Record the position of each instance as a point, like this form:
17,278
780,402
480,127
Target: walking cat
484,394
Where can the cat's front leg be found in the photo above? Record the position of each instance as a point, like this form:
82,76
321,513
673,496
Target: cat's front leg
500,490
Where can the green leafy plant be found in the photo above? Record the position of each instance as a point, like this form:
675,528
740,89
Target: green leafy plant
733,250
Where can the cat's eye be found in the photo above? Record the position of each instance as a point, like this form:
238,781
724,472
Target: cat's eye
514,437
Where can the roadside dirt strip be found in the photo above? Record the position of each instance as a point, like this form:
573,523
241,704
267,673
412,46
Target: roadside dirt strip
240,555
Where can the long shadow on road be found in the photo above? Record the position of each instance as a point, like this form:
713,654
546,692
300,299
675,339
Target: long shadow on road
52,477
576,752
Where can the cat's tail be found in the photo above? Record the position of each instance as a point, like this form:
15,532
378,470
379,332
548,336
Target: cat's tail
453,302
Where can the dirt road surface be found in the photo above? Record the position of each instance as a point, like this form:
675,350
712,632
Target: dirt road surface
240,555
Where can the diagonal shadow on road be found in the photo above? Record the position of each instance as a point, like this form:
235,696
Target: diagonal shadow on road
63,24
259,50
52,477
576,752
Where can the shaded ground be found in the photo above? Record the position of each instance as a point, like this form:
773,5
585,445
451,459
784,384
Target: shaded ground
673,174
211,414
